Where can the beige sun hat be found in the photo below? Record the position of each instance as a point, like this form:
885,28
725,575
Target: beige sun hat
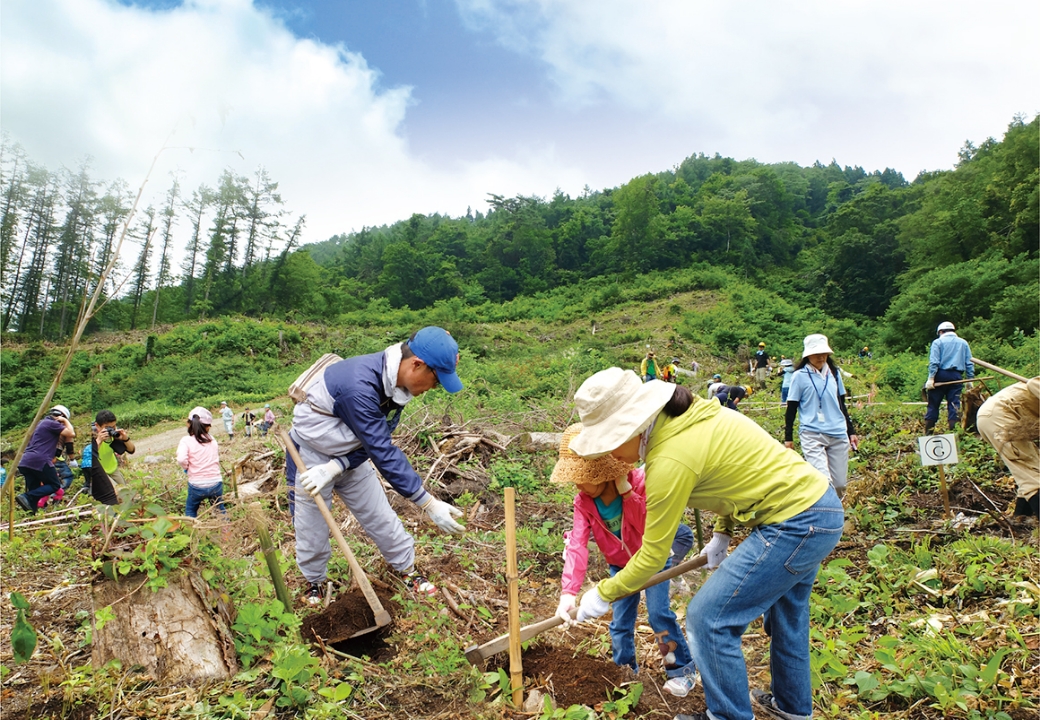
615,406
816,344
572,468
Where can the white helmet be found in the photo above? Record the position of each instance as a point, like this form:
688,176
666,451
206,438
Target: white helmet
944,326
62,410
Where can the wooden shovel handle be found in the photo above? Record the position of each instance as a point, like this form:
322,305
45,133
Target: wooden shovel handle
478,654
1000,370
382,616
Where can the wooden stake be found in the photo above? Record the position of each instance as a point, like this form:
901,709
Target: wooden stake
516,674
945,493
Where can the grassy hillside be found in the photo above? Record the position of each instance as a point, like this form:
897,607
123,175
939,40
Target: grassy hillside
914,616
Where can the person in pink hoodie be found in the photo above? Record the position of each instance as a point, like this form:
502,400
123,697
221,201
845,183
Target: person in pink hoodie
611,507
197,453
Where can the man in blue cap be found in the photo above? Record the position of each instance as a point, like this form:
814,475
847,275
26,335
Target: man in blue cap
342,431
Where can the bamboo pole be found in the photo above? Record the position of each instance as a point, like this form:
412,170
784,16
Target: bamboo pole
86,313
1000,370
271,557
516,674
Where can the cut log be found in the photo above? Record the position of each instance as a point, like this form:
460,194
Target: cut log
538,441
175,633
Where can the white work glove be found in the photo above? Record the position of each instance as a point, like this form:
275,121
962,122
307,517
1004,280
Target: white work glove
563,610
319,476
592,606
443,515
716,550
73,464
929,384
624,487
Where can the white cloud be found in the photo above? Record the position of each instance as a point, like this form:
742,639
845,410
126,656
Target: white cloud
93,77
880,83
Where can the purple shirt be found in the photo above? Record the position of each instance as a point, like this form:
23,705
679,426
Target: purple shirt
40,452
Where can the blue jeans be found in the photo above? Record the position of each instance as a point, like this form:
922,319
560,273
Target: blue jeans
659,611
196,495
39,483
950,393
771,573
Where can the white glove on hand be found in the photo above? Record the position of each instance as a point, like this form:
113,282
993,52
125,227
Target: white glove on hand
563,610
319,476
442,515
624,487
717,549
592,606
929,384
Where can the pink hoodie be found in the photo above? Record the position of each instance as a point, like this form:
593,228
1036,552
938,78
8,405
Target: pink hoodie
587,521
201,460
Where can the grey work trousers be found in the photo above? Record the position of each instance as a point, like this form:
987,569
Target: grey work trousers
830,455
362,491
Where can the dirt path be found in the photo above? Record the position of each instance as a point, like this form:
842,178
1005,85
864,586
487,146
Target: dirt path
155,444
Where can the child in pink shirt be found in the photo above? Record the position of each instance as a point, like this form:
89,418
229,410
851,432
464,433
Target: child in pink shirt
611,507
197,453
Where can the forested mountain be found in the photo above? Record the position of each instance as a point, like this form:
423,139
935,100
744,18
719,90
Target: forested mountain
960,244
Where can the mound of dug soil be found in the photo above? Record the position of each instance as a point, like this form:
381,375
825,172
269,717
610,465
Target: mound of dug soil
587,680
348,614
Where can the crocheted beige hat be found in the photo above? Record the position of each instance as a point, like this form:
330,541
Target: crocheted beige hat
571,468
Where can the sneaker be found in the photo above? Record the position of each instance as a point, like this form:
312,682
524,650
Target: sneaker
680,686
315,594
418,583
692,716
23,503
764,702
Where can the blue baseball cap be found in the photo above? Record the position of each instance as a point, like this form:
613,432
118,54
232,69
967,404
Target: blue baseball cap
437,348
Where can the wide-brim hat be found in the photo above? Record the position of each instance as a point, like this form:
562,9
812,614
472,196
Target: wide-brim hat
572,468
816,344
615,406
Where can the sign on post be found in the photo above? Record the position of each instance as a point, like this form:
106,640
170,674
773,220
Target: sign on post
939,450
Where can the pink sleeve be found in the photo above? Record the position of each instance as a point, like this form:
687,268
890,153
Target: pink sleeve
635,503
576,552
182,451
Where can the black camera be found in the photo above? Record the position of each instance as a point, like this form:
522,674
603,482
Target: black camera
112,432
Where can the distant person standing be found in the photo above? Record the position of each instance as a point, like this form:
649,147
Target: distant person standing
670,370
37,463
762,365
228,416
948,361
649,369
787,370
198,454
1008,421
249,418
268,422
825,430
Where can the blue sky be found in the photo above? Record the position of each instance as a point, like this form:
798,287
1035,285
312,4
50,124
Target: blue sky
366,112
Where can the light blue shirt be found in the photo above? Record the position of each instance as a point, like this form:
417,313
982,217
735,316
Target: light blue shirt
950,352
788,375
817,395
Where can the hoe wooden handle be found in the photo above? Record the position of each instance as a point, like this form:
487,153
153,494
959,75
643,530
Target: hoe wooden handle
477,654
382,616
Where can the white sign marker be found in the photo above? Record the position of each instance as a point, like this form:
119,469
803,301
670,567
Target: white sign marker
938,449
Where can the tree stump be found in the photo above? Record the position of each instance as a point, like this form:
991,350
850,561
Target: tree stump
180,632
